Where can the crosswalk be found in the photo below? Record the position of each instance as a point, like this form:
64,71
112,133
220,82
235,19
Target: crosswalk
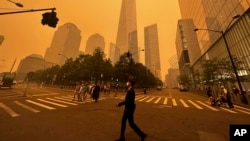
36,105
16,107
201,105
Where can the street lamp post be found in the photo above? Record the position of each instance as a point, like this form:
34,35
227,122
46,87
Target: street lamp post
229,52
16,3
63,55
129,55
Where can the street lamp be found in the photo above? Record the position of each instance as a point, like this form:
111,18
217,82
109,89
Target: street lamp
129,55
63,55
16,3
228,50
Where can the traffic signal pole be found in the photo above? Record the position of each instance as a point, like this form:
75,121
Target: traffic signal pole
25,11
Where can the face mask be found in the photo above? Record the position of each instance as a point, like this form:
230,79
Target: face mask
128,84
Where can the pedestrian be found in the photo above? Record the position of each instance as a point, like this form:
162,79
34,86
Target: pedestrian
144,90
116,90
226,93
128,113
77,91
83,91
96,92
209,94
235,90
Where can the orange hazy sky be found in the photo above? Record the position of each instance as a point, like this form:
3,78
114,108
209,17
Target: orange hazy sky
25,35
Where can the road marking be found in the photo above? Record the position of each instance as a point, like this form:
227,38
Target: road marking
183,103
208,106
44,94
9,110
165,101
243,111
242,108
150,99
174,102
228,110
26,107
139,97
61,101
41,105
197,106
61,98
57,104
157,100
143,99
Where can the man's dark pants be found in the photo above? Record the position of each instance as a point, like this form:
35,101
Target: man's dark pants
130,116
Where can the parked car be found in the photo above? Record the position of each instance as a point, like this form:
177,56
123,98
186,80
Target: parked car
159,88
182,88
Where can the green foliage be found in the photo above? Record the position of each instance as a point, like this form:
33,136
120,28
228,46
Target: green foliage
96,68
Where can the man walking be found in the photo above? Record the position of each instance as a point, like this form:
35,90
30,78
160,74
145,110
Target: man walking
128,113
228,97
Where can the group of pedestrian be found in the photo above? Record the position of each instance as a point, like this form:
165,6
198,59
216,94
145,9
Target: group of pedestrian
224,97
82,89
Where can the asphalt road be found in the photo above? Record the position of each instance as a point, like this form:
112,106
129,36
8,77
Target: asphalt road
167,115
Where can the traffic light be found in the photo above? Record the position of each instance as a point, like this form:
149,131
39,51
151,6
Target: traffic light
50,19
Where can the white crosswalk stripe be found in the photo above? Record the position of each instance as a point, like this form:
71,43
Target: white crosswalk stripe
165,101
184,103
9,110
61,101
52,103
41,105
150,99
208,106
228,110
144,98
196,105
174,102
157,101
26,107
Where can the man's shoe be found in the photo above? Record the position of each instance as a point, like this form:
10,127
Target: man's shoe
144,137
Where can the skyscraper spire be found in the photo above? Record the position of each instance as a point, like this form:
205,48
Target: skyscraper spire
127,39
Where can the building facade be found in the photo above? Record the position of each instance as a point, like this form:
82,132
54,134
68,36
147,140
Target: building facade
172,78
223,33
30,63
211,14
95,41
127,39
152,53
65,44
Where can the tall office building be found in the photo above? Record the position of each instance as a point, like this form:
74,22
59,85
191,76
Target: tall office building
172,78
65,44
210,14
152,53
223,35
187,46
127,39
95,41
112,52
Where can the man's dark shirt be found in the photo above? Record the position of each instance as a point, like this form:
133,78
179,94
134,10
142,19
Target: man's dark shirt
129,101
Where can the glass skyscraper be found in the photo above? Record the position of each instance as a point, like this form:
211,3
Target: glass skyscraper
127,39
224,40
95,41
66,41
152,53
